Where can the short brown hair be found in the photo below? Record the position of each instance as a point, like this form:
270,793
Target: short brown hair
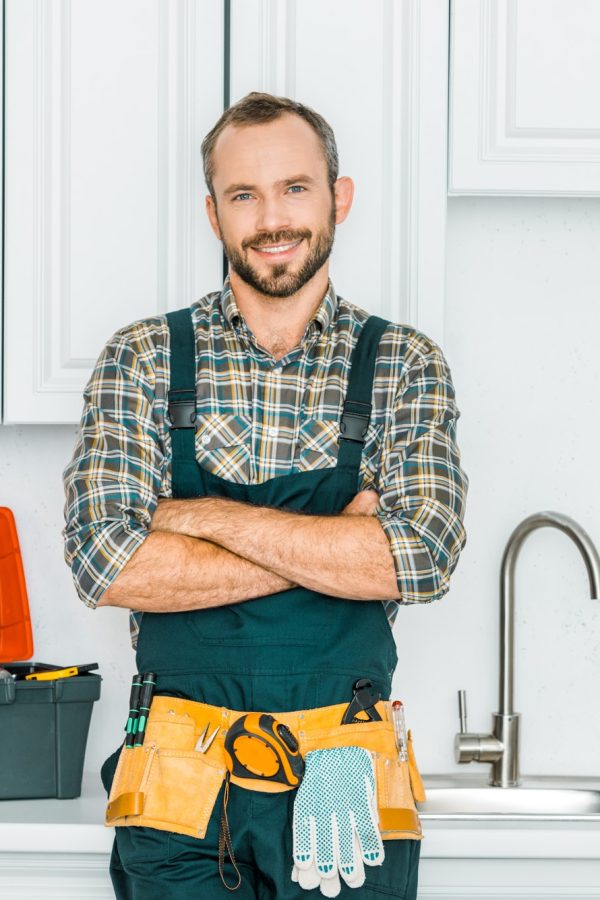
255,109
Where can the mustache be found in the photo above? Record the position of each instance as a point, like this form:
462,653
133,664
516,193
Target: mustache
276,237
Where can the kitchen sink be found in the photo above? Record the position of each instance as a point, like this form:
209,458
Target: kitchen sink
549,798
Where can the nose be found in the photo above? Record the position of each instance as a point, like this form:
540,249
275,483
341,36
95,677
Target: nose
273,214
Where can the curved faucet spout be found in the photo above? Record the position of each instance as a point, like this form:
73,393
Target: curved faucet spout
507,588
501,747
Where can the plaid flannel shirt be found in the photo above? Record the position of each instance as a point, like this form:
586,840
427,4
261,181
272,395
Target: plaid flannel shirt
258,418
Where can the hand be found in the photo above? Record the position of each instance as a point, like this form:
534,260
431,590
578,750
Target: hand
365,503
161,520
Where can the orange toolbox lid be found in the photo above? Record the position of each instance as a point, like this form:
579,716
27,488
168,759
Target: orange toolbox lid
16,640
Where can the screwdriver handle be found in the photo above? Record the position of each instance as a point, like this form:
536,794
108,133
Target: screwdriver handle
134,699
148,685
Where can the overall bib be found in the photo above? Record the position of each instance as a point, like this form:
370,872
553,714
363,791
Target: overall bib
297,649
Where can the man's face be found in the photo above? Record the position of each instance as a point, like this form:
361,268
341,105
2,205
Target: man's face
275,211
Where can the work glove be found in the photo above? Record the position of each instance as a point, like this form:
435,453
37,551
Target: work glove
335,821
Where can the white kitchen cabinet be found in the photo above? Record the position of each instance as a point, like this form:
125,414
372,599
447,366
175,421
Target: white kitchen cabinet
378,73
107,102
525,97
106,107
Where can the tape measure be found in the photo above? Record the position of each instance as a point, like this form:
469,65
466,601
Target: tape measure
257,746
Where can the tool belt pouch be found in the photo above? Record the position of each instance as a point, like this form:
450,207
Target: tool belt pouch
165,783
399,784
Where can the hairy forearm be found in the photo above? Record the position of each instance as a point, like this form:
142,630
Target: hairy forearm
343,556
173,572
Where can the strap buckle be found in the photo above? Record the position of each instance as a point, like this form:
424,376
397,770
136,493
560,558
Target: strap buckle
181,412
354,422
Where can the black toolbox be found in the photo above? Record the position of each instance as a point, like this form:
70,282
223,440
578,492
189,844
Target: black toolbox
43,732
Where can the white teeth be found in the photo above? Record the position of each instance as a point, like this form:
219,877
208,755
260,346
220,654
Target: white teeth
280,249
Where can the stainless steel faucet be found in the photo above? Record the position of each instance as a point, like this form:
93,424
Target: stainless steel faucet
501,747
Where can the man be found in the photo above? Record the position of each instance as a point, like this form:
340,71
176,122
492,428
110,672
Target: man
232,487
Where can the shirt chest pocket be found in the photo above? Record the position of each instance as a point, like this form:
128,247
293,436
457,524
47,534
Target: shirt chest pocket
317,444
318,447
224,446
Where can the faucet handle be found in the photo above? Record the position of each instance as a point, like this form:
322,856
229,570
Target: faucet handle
462,711
469,747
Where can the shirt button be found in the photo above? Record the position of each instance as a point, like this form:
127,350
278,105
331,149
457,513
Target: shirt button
205,439
272,432
278,370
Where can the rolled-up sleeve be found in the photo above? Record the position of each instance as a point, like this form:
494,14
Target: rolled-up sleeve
422,487
112,481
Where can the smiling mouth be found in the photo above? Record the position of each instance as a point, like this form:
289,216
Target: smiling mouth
275,249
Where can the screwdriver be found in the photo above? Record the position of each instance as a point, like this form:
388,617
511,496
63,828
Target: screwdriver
148,685
134,699
400,730
54,674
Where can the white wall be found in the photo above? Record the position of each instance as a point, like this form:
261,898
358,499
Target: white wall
522,342
521,339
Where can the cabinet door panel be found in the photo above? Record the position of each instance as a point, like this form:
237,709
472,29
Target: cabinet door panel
106,106
525,97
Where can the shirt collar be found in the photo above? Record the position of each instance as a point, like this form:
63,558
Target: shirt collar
321,320
326,310
229,307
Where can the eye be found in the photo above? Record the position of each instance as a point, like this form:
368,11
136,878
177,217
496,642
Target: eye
241,196
296,188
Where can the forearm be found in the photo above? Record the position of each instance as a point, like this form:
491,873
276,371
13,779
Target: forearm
343,556
175,572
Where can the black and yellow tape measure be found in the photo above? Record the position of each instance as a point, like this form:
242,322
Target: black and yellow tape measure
257,746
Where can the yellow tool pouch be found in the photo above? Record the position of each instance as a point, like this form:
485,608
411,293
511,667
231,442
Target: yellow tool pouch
167,784
399,784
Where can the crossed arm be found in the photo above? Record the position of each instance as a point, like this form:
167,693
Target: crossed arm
213,552
124,550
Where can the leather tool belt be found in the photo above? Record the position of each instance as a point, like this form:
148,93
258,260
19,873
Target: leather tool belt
167,784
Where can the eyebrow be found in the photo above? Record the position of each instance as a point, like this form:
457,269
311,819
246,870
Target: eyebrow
284,182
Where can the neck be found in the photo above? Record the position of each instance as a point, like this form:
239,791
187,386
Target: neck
278,323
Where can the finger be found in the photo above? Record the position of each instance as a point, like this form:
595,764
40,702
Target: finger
308,879
365,503
331,887
352,868
369,836
346,846
324,850
303,844
356,877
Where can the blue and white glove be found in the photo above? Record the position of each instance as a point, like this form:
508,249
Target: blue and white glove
335,823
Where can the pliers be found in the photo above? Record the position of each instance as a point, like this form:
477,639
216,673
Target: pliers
363,701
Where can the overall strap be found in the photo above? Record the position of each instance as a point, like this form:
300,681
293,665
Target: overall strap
357,405
181,413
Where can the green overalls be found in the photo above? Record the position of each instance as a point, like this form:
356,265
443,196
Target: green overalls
297,649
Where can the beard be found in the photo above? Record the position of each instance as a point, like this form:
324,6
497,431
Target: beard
282,280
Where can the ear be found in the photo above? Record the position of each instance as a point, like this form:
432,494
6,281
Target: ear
344,194
211,212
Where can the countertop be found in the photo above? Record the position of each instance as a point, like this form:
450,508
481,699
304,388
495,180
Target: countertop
76,826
